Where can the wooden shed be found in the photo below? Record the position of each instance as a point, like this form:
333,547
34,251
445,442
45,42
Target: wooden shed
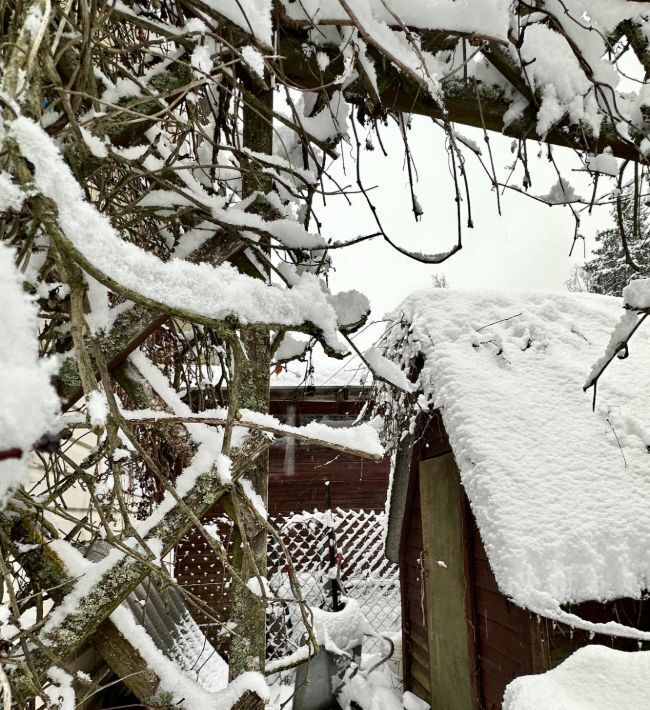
516,512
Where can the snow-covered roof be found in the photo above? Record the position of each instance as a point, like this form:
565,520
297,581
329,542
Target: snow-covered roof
561,493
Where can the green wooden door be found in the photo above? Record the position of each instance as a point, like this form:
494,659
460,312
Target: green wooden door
445,585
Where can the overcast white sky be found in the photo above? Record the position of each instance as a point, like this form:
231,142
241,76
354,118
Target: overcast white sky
526,248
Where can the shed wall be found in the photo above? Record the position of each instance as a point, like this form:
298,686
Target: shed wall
300,474
503,629
509,641
513,642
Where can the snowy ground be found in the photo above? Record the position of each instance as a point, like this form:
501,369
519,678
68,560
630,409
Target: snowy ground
593,678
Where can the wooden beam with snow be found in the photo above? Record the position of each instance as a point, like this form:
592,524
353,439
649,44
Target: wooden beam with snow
47,574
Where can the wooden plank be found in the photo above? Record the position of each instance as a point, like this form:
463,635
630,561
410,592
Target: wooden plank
450,665
421,677
410,554
505,658
540,654
503,629
418,627
483,572
414,545
419,635
470,600
495,680
421,689
491,608
421,657
310,407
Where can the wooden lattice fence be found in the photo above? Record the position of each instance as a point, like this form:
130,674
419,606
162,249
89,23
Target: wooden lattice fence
364,572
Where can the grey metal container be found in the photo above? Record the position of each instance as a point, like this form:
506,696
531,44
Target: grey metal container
318,680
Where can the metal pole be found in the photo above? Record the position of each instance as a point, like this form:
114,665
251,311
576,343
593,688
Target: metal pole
336,602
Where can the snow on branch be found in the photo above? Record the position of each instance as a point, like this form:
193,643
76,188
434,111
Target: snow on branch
251,16
94,597
388,371
560,65
30,404
198,292
184,691
288,232
361,440
636,299
487,19
166,143
617,346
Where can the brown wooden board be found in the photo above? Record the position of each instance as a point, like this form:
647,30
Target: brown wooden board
300,474
415,646
451,665
504,639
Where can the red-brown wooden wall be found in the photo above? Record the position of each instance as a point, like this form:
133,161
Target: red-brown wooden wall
503,630
298,472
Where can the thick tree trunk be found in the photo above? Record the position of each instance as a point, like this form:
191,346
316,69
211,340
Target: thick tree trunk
248,610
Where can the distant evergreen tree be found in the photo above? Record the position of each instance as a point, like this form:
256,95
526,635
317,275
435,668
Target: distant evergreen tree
608,272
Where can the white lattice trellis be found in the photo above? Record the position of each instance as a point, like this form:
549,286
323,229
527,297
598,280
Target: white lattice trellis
365,573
